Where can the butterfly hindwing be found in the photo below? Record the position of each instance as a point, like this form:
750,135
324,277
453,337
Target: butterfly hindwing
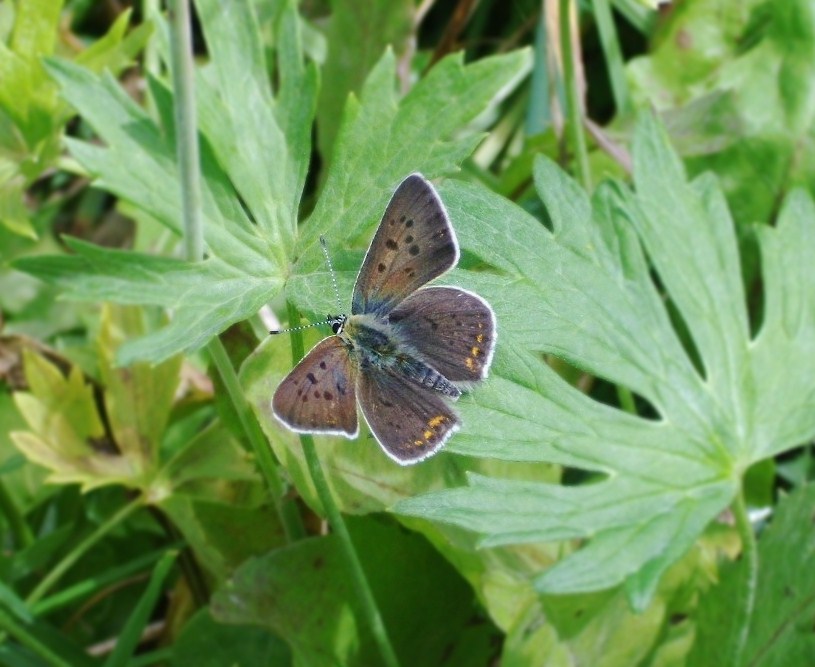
451,328
409,421
413,244
318,396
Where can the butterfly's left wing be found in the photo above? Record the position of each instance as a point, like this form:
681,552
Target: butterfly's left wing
452,329
318,395
413,244
410,422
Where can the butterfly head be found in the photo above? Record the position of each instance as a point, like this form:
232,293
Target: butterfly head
337,323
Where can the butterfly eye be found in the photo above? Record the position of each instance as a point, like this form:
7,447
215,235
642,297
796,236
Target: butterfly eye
337,323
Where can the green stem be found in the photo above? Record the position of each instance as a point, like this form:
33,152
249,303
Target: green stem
574,112
186,128
189,167
26,638
289,518
23,537
335,520
613,54
626,399
747,600
77,552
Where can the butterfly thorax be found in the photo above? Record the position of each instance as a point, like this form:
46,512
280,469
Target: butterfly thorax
376,343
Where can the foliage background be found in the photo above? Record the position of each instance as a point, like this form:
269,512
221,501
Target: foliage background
631,484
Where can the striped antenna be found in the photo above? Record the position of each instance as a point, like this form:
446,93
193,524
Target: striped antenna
336,321
324,246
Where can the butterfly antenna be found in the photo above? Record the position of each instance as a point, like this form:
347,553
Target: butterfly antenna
333,321
336,321
324,246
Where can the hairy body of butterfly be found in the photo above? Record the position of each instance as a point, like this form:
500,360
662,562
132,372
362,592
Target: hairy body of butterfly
378,344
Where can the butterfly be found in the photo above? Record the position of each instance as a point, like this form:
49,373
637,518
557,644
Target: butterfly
407,350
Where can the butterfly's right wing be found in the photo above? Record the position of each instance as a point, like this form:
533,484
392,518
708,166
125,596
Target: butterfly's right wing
410,422
414,243
318,395
452,329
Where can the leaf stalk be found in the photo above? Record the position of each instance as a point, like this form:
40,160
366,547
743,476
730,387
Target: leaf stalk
747,591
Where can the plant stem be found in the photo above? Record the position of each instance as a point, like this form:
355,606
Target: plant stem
289,518
77,552
186,128
190,172
335,520
29,640
626,399
749,554
23,537
613,54
574,111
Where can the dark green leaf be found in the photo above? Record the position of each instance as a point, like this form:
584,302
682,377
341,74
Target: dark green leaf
206,643
780,630
303,594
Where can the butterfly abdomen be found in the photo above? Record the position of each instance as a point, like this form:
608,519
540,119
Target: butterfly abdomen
427,376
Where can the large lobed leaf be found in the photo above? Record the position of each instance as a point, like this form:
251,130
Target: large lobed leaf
255,152
382,139
246,242
584,293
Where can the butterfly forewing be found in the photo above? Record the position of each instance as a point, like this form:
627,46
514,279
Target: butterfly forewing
413,244
318,396
452,329
409,421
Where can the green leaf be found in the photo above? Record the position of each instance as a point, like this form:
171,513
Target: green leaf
10,601
32,116
738,73
357,36
265,152
65,428
67,433
211,454
204,296
206,643
382,140
116,49
584,293
250,188
303,594
139,398
222,530
780,631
